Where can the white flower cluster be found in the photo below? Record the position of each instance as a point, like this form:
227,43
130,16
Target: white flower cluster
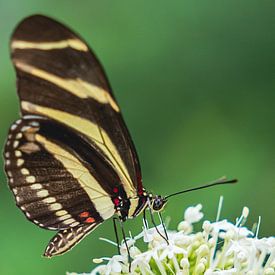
221,248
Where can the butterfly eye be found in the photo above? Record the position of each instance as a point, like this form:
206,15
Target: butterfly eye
158,203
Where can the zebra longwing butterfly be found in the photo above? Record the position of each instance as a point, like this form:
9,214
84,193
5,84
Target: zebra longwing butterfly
70,160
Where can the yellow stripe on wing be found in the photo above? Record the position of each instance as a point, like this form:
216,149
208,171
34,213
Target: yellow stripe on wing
103,202
75,44
81,124
77,87
93,132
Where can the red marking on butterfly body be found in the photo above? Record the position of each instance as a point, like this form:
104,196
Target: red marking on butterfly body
116,201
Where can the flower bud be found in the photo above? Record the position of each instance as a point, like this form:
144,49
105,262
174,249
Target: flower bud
199,268
207,227
203,250
184,263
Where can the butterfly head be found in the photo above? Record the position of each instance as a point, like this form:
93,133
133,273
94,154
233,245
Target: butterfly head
158,203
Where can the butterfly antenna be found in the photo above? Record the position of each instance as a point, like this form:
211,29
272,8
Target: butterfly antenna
219,181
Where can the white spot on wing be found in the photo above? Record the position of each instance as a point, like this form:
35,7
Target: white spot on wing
25,128
65,217
25,171
69,235
19,135
17,153
36,186
20,162
69,221
15,144
55,206
42,193
61,213
13,127
34,124
49,200
30,179
74,224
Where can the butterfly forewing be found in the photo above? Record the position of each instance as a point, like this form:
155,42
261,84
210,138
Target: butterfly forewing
60,78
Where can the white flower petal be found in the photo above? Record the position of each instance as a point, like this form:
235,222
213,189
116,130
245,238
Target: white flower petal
192,214
116,266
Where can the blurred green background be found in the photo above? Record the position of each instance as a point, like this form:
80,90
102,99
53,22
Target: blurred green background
196,83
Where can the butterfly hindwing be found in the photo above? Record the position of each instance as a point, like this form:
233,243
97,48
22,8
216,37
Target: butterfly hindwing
60,78
53,185
65,239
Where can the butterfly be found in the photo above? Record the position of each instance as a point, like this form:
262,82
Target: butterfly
70,160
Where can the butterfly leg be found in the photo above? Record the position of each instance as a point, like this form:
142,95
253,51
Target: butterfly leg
145,222
117,239
154,223
125,241
163,225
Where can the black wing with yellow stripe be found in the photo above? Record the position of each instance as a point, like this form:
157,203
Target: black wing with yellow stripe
58,180
70,159
60,78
